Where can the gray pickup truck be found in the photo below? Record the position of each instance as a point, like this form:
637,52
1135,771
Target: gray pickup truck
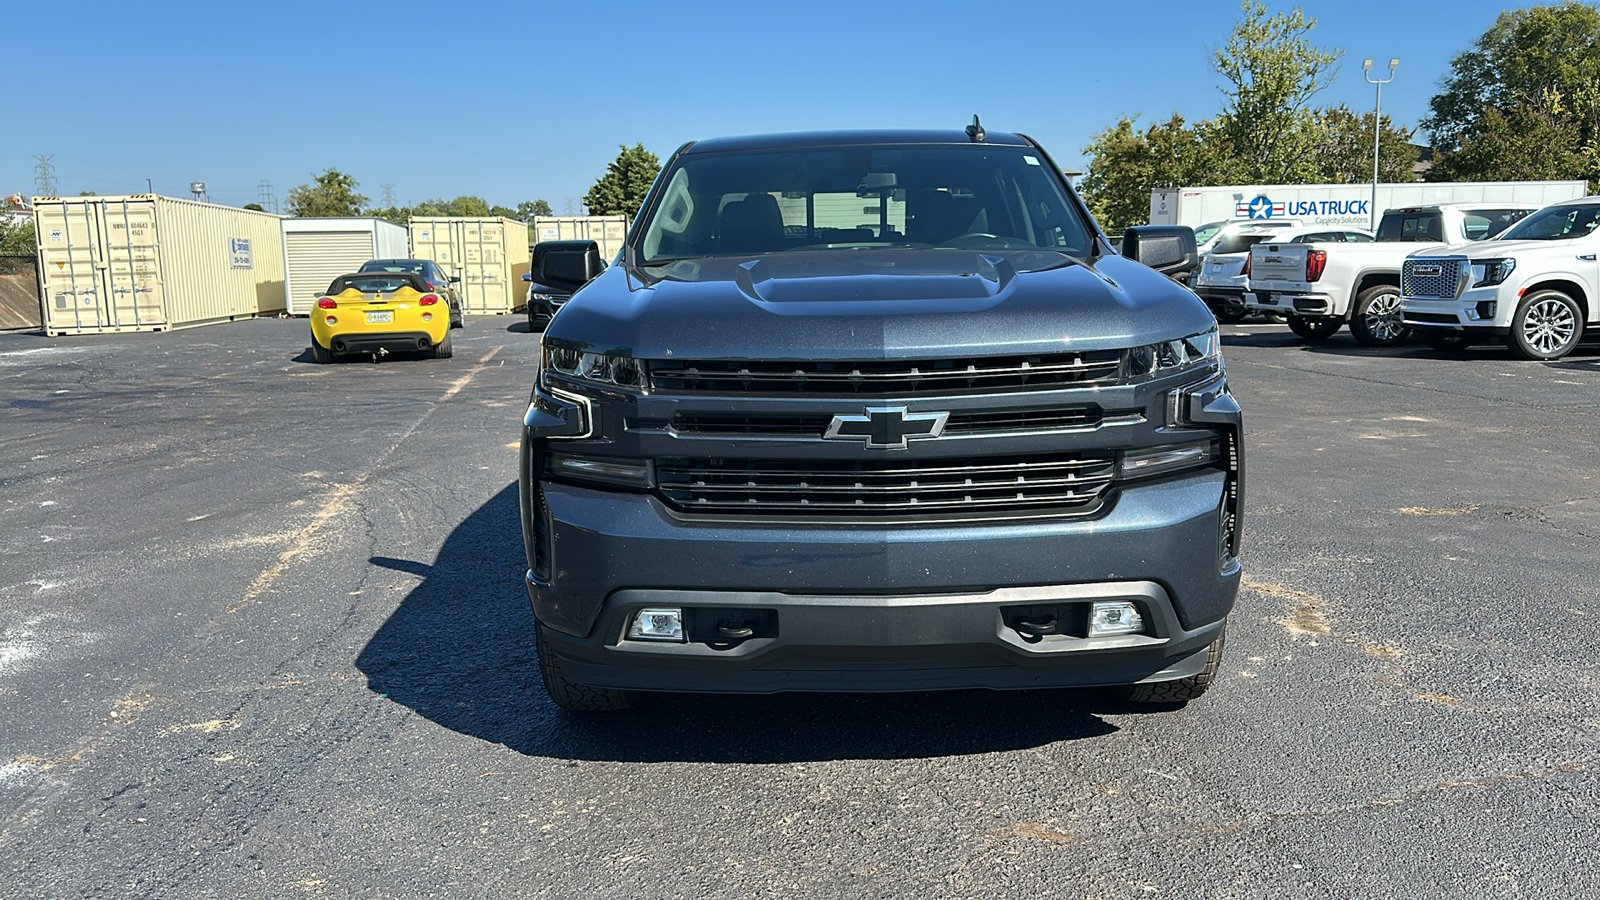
879,411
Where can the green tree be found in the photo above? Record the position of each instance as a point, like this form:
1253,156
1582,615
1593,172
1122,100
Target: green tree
627,179
255,206
17,238
1272,71
1126,163
1342,151
1540,57
1527,144
528,209
333,194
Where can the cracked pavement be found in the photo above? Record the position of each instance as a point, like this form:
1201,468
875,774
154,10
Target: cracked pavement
263,632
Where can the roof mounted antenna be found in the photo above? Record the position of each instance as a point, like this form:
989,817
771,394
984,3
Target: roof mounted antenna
975,131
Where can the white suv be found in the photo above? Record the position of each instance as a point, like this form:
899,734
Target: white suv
1536,286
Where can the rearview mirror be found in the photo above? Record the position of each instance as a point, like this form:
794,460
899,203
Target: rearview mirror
455,279
1169,249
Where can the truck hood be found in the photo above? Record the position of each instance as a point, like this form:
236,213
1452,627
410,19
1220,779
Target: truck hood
1498,249
879,304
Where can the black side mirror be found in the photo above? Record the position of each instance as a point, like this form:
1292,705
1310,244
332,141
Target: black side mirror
1169,249
566,265
455,279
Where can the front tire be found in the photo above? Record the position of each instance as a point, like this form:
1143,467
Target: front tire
1181,690
568,695
1314,328
1376,322
1547,325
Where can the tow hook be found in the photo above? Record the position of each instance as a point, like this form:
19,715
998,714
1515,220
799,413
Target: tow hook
1038,626
734,630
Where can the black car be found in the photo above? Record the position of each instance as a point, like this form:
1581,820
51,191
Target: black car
439,281
879,411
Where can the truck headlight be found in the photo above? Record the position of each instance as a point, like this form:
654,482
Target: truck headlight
1149,461
606,368
1490,272
1156,360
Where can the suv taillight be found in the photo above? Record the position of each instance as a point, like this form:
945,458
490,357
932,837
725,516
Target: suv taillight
1246,263
1316,261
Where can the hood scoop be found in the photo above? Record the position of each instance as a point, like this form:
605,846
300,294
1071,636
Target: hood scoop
860,277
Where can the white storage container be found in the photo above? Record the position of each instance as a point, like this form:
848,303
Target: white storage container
488,254
608,231
151,263
316,251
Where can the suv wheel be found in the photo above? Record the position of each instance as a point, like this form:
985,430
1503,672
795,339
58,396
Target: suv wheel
1314,328
1375,322
567,695
1547,325
1183,689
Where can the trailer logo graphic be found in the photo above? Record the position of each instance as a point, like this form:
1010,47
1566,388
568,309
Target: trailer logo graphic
1259,208
239,253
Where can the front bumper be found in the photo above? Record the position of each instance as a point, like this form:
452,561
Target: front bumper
887,643
884,609
1474,312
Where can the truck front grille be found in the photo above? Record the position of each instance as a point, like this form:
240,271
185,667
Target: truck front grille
1430,278
1068,483
802,425
899,378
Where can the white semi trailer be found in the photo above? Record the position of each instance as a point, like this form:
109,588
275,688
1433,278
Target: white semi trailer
1347,205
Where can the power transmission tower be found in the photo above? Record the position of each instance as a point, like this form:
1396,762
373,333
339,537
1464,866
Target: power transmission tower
45,175
265,196
388,195
572,203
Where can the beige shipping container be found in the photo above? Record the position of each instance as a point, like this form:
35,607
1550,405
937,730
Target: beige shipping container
316,251
608,231
482,251
152,263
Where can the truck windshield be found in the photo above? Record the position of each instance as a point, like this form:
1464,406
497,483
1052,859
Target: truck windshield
1556,223
757,202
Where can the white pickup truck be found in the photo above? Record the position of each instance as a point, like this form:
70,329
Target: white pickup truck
1537,286
1322,286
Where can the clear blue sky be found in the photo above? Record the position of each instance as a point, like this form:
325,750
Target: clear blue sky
517,101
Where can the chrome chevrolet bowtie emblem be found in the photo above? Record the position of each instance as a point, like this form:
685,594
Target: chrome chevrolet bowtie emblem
887,427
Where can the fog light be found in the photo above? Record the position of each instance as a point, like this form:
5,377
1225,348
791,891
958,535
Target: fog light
657,625
1114,617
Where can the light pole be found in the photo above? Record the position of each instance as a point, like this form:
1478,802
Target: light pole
1377,121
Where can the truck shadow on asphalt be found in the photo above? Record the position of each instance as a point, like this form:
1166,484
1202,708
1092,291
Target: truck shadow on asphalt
459,651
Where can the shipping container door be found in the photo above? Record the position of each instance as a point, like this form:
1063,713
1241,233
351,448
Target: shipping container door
102,272
484,267
133,264
316,258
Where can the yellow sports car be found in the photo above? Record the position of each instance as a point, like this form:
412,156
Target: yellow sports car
380,313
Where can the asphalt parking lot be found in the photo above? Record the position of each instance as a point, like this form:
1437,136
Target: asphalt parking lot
263,633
